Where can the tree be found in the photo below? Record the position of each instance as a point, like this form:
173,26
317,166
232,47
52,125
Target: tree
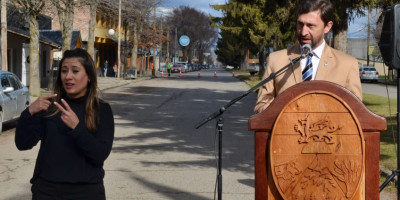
4,65
228,49
93,4
30,10
245,21
196,25
65,10
261,23
135,18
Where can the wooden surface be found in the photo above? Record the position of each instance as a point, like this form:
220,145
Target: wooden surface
343,143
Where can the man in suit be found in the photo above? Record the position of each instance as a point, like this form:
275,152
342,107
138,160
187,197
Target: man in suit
314,20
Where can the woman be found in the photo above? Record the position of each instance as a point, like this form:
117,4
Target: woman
76,133
115,68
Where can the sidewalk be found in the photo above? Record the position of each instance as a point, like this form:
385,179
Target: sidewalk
104,83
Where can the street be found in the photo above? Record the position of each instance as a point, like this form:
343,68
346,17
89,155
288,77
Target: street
380,89
157,152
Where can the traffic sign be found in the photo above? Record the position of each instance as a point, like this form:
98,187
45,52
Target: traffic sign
184,40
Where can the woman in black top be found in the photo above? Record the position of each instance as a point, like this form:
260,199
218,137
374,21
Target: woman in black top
76,133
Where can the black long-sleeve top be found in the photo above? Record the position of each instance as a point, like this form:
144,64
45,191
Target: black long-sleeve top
67,155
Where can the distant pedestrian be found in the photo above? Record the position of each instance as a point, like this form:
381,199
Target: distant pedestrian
76,133
105,68
169,66
153,72
115,69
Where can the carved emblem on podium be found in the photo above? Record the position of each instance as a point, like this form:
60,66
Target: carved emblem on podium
320,157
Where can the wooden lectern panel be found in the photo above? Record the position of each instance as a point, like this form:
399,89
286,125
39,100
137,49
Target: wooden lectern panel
317,141
316,149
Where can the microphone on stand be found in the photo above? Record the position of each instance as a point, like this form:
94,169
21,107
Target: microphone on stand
306,50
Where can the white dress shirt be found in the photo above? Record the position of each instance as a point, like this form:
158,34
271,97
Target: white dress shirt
315,59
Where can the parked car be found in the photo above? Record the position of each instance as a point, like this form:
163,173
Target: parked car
176,68
253,68
185,67
368,73
14,97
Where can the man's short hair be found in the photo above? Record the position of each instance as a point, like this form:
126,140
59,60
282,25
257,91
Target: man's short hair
325,6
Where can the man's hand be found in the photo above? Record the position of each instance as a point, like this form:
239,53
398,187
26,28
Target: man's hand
41,104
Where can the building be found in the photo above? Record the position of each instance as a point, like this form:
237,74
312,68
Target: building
357,47
18,39
106,45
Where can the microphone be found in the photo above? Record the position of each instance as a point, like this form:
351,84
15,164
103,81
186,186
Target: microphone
306,50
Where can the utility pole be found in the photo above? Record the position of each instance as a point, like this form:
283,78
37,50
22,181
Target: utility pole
176,45
4,65
168,45
161,43
153,71
125,42
119,40
368,35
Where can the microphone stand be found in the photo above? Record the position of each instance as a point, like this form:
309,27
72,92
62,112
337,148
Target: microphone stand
220,111
397,171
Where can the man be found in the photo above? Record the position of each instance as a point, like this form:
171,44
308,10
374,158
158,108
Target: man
314,20
169,66
105,67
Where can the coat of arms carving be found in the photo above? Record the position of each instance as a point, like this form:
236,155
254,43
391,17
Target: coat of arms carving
320,157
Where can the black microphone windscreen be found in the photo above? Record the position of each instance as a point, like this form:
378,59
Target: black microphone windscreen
306,49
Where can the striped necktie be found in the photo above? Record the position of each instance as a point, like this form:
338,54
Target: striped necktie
308,70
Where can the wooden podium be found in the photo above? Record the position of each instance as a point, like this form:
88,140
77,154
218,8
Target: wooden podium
317,140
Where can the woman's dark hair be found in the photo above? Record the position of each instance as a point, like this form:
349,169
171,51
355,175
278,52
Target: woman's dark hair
325,6
92,102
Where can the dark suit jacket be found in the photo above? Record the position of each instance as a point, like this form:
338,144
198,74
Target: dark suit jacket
334,66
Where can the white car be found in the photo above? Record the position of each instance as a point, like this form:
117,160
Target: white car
368,73
253,68
14,97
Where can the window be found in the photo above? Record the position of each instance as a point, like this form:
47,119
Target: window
14,82
4,82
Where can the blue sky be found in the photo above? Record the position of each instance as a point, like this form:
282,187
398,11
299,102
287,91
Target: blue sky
201,5
357,28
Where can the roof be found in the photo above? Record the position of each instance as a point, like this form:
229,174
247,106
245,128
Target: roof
25,33
56,37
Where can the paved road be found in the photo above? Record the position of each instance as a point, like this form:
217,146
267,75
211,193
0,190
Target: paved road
157,153
380,89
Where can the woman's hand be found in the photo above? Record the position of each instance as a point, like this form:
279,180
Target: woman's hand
68,116
41,104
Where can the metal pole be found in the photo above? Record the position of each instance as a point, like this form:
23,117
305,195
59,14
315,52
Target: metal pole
368,35
153,71
119,39
398,136
168,45
176,45
160,56
220,125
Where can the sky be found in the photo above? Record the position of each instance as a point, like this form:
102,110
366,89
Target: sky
357,28
201,5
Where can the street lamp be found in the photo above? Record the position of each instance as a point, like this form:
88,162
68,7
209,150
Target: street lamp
119,39
112,32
